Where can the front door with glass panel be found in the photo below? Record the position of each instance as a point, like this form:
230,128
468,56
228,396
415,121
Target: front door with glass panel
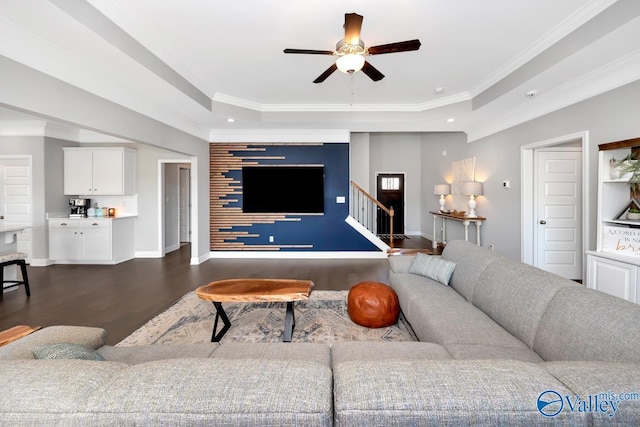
390,192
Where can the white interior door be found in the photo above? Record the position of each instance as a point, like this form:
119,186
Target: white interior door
558,190
15,197
185,203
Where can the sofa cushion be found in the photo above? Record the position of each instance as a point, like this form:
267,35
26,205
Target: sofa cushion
51,392
604,380
584,324
491,351
443,392
516,296
400,263
21,349
433,267
471,260
148,353
221,392
318,353
65,350
439,314
347,351
415,291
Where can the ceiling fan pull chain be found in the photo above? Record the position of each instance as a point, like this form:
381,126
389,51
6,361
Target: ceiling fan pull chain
352,91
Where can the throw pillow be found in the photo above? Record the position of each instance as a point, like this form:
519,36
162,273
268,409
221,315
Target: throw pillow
65,350
433,267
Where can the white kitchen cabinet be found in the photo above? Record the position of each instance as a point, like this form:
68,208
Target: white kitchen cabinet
90,240
99,171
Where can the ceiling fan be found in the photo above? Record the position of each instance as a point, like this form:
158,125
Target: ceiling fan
351,51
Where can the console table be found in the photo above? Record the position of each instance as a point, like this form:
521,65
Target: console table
466,221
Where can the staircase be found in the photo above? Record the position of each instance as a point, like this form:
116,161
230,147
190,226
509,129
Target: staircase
364,217
364,209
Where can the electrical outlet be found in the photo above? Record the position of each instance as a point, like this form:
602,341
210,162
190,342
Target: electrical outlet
491,248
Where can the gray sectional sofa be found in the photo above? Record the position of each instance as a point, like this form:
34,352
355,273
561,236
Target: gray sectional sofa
502,343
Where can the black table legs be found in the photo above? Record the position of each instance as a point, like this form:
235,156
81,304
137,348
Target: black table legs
289,323
227,324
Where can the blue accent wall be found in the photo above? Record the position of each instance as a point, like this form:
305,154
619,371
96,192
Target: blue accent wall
291,232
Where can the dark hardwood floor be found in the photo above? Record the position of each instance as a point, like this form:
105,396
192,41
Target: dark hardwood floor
123,297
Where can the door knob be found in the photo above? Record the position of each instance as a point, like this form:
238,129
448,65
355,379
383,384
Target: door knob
543,222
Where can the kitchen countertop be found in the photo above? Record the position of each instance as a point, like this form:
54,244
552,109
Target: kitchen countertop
12,228
92,218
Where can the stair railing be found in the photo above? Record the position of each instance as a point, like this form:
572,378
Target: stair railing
364,209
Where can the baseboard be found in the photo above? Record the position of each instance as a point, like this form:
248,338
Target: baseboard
148,254
200,259
40,262
298,255
172,248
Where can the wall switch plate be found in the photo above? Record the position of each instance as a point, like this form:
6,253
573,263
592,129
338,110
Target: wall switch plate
341,199
270,239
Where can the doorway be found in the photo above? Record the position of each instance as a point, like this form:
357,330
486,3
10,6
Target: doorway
390,192
16,205
171,206
555,205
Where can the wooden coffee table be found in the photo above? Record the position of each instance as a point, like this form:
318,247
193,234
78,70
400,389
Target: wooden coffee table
254,290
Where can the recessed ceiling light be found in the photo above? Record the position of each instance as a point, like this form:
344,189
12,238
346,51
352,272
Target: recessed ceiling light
451,120
231,120
439,90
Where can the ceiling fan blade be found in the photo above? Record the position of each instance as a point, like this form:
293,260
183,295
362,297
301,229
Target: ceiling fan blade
322,77
395,47
372,72
352,27
309,51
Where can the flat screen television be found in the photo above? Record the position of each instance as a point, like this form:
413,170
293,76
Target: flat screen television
283,189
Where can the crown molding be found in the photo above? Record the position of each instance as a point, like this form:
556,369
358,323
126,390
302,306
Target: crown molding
22,128
570,24
617,73
280,135
331,108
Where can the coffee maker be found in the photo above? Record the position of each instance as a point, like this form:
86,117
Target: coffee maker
79,207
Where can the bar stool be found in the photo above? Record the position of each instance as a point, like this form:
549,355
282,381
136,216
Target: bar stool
12,258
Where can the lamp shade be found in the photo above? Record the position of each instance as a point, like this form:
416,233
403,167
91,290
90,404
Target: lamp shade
471,188
350,63
441,189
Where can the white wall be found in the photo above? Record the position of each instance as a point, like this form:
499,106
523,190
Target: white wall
399,153
359,153
438,152
612,116
150,178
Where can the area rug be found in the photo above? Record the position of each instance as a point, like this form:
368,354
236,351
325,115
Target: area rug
323,318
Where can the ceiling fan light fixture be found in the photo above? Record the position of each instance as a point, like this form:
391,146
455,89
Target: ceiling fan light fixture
350,63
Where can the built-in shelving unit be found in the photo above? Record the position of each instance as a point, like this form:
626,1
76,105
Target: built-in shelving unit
614,267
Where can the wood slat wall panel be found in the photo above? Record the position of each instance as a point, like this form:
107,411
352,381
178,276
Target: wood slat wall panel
225,158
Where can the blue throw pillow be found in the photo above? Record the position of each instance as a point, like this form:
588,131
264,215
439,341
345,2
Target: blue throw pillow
433,267
65,350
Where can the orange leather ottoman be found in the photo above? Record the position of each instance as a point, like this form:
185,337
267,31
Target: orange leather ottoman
373,304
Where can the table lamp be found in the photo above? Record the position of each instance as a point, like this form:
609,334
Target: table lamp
472,189
442,190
